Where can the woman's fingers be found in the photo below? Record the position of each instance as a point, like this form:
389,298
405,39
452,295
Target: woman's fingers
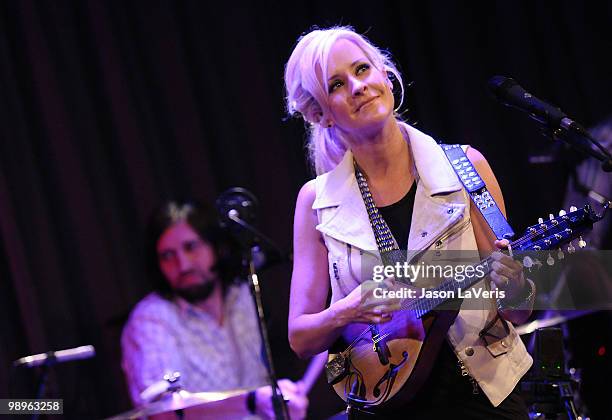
506,273
379,315
504,270
500,280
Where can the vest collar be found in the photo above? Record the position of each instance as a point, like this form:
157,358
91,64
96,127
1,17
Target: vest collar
338,190
427,155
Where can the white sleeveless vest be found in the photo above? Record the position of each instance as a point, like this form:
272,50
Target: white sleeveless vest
440,221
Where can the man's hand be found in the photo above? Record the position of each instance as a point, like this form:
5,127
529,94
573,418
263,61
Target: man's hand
297,402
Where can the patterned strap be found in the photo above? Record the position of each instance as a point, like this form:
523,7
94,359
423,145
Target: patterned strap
478,191
387,245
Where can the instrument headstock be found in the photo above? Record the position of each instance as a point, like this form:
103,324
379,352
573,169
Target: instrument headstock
554,233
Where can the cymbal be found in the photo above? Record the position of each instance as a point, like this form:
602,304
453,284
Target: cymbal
550,322
177,401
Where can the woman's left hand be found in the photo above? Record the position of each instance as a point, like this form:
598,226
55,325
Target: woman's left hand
507,273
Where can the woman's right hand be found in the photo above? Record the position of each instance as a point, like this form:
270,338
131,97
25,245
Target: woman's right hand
366,305
313,326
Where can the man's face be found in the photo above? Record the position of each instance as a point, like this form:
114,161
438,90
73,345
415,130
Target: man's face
187,262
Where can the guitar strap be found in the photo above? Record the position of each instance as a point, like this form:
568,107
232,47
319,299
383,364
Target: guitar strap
478,191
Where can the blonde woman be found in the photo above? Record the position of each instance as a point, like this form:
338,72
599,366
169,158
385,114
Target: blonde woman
342,86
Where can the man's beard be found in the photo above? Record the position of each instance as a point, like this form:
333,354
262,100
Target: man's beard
196,293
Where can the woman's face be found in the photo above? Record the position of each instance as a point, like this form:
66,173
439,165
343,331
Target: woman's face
360,97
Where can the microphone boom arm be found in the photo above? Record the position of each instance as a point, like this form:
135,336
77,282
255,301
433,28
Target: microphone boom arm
511,94
233,215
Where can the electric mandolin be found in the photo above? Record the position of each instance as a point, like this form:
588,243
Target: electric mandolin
381,366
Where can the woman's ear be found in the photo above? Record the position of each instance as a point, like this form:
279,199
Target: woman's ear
325,120
389,75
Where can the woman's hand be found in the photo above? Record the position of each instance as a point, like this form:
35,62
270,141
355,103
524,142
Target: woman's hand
362,305
507,273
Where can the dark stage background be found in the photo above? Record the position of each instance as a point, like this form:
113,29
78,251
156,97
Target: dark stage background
108,107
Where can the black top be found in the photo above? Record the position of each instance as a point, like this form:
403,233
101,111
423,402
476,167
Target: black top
399,217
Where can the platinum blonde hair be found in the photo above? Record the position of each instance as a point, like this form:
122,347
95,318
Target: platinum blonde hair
307,92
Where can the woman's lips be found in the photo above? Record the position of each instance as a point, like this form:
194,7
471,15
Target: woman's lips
364,103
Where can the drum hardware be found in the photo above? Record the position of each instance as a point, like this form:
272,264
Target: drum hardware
551,322
170,383
547,387
178,400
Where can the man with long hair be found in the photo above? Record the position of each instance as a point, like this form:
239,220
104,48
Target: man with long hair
199,321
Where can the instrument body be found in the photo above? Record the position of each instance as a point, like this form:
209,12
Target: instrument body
383,366
411,345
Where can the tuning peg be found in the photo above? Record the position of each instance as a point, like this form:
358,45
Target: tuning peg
551,216
550,260
562,212
570,248
582,243
573,208
540,220
560,254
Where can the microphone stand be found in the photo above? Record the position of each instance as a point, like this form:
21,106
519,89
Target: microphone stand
41,388
581,140
278,402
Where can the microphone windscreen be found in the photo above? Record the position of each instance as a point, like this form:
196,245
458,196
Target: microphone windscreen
499,86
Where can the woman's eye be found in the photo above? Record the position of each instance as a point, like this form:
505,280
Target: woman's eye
362,68
334,85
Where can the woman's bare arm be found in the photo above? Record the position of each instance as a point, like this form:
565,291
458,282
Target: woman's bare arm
312,327
487,243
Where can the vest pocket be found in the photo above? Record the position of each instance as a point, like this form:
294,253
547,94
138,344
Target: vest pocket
499,338
441,243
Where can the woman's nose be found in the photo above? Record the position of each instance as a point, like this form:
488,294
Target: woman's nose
358,87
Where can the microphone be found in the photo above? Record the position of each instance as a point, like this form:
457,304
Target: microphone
53,357
235,205
511,94
237,210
